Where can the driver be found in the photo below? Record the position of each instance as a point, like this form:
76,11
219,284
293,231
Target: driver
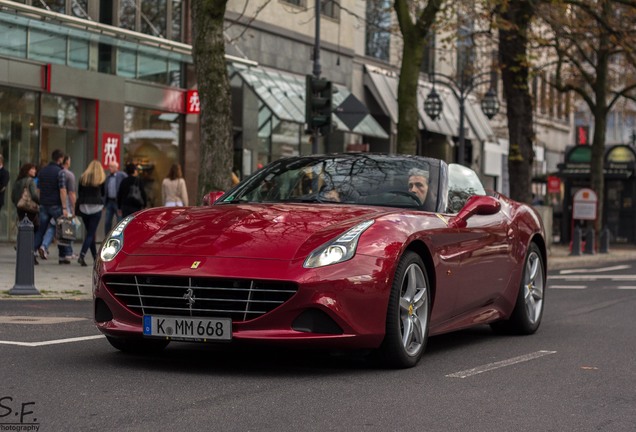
418,183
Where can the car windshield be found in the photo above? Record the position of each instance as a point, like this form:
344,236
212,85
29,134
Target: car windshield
396,181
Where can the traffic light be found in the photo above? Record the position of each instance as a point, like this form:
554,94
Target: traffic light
318,97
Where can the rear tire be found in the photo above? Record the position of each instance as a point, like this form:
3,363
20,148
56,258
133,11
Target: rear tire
528,311
137,345
408,314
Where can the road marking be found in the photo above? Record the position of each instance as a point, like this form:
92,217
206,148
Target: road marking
25,319
626,287
593,277
598,270
497,365
567,286
52,342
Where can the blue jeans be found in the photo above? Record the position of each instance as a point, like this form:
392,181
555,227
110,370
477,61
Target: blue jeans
91,222
46,214
111,211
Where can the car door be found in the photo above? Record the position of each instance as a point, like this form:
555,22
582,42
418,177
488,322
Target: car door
481,247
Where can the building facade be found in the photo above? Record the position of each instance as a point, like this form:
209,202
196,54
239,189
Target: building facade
110,80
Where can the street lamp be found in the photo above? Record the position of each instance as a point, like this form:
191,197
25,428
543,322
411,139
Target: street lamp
489,104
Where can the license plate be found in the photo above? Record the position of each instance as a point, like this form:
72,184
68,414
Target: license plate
187,328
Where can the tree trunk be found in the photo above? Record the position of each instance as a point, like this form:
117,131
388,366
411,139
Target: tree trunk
414,41
513,45
208,49
408,130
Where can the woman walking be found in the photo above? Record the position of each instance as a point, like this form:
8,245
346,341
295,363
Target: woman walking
173,188
90,203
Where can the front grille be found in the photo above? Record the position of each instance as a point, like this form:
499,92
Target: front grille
241,300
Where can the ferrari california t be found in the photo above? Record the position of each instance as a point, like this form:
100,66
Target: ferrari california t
342,251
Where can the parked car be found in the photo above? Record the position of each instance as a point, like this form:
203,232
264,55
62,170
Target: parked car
342,251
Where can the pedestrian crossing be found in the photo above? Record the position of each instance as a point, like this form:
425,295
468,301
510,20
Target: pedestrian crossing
621,277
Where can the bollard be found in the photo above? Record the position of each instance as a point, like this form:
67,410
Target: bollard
604,241
589,241
24,270
576,241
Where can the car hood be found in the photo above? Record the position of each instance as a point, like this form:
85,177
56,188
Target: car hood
267,231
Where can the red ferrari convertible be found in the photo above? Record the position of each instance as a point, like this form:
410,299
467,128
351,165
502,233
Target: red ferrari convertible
344,251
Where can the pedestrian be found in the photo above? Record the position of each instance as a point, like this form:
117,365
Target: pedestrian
113,182
173,188
4,180
90,202
132,195
26,179
71,197
52,185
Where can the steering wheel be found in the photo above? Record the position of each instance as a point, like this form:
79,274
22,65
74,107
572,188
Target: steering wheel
408,194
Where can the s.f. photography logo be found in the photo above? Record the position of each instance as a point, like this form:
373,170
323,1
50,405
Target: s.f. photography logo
17,415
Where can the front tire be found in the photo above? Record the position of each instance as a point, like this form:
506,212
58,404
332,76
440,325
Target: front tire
528,311
138,345
408,314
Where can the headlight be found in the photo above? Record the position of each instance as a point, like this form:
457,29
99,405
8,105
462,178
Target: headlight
337,250
115,241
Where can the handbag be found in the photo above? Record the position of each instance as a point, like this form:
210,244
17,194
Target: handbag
26,203
65,229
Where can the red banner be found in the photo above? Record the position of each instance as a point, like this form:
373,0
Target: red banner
111,148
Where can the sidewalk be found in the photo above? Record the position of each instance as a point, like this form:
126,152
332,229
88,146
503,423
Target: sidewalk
71,281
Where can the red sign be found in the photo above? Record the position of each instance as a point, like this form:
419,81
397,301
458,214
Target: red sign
111,148
193,104
582,135
554,184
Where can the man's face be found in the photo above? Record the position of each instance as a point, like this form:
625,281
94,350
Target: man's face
67,164
419,186
112,167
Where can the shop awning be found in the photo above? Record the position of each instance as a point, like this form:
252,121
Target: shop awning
383,85
284,95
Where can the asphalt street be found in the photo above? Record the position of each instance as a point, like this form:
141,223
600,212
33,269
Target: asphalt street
574,374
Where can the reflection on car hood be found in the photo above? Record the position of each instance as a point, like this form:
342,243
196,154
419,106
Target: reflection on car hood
271,231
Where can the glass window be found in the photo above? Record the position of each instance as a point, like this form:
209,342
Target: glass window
78,53
152,68
152,140
378,30
126,63
177,20
48,47
329,8
296,2
12,40
127,14
153,17
462,184
79,8
356,179
58,6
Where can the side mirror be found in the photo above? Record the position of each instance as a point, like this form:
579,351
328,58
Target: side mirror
475,205
211,197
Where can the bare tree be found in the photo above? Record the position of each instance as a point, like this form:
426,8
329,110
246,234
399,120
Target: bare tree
594,42
208,49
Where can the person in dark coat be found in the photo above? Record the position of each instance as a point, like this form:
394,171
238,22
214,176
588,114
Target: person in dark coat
89,205
127,202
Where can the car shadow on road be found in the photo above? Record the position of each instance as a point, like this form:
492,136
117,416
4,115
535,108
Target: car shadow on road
267,360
